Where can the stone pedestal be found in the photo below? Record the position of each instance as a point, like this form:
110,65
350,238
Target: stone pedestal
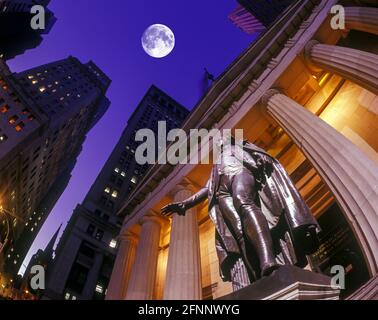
288,283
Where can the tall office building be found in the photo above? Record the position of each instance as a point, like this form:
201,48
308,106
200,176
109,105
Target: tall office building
266,11
45,114
254,16
85,254
245,21
16,33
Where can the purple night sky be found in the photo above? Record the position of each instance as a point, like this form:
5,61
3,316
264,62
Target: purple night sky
109,33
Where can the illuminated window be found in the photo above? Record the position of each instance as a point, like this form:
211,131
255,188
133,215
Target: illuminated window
67,296
3,137
12,120
42,89
99,289
134,179
4,109
30,76
116,170
107,190
113,243
19,126
123,174
114,194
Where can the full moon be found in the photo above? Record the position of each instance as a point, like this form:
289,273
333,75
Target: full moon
158,40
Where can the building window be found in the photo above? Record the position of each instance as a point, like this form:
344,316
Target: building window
113,243
134,179
19,126
91,229
115,194
116,170
4,109
3,137
13,119
99,234
107,190
99,288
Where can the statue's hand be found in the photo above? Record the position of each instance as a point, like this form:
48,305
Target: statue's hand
174,207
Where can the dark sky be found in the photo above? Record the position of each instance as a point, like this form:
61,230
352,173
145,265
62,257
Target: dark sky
109,33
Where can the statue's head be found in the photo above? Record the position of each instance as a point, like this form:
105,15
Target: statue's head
224,140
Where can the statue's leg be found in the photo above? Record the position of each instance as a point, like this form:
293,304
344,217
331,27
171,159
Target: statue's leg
255,225
232,218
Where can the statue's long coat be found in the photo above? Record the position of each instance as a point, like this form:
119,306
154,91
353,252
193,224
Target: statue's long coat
281,204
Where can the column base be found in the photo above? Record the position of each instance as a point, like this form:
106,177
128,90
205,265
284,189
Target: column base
288,283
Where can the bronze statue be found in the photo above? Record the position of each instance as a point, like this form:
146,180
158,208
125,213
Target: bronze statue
261,220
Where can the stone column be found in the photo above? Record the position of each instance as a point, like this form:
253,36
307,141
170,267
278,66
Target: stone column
142,278
183,278
355,65
362,19
122,266
348,172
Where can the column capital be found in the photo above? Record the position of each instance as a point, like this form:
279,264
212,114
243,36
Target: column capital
128,235
308,47
269,94
152,216
358,66
307,53
185,184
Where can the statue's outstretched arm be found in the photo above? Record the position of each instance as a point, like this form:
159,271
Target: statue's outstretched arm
181,207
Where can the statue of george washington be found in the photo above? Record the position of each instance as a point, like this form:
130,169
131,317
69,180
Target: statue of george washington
261,220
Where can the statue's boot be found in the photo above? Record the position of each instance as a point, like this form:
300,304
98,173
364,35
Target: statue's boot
258,233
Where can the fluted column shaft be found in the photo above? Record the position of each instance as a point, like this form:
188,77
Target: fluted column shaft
122,266
362,19
143,275
348,172
183,278
358,66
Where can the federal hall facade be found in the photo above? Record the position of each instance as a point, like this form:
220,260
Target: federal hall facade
307,94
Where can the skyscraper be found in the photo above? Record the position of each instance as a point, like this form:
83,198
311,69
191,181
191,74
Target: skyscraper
254,16
16,33
266,11
45,114
244,20
85,254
